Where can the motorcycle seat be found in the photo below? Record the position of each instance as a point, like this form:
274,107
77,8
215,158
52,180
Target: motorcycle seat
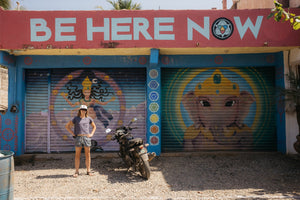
135,142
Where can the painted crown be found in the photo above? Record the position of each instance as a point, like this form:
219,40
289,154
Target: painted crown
86,84
217,84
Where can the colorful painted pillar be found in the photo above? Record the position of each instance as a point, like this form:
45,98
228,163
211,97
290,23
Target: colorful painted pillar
153,103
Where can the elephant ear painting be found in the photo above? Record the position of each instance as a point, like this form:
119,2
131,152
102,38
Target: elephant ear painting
218,109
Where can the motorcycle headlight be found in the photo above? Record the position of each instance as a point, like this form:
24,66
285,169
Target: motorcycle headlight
120,132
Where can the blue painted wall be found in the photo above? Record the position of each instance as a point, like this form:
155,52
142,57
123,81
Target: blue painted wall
12,124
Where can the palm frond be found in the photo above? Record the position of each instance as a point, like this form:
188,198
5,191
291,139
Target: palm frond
5,4
124,4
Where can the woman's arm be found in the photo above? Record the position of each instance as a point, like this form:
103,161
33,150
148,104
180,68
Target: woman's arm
94,129
64,95
69,126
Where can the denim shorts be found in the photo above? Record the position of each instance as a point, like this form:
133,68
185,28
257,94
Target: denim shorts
81,141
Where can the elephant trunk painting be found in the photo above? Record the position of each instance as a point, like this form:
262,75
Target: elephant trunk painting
217,109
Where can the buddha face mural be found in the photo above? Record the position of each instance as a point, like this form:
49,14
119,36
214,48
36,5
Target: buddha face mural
217,108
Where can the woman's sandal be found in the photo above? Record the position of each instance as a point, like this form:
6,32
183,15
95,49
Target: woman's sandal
90,173
75,175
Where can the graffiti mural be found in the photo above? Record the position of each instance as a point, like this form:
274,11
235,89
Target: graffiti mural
218,109
113,97
91,96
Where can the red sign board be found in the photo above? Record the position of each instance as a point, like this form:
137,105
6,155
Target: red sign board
143,28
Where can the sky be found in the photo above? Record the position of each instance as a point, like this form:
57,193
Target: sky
145,4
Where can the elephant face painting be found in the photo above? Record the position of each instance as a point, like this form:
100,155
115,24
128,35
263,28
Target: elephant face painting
217,108
210,108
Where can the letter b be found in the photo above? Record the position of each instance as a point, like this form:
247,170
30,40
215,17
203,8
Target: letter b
39,25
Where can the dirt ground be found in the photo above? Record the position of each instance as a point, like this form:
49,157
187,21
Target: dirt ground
216,175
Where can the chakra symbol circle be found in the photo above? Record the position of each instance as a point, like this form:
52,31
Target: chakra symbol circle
154,107
154,118
222,28
153,73
154,129
154,140
153,84
153,96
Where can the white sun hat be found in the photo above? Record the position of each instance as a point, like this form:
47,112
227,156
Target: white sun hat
83,107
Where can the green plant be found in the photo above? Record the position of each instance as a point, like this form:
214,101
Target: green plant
292,95
5,4
280,14
124,5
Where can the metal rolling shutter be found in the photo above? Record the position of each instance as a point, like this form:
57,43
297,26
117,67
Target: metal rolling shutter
120,96
218,109
123,93
36,139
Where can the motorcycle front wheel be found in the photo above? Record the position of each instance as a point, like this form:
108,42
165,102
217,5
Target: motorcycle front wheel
144,168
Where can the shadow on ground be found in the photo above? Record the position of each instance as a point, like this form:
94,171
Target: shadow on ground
267,173
270,172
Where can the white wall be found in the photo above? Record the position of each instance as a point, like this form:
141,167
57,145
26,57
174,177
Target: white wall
292,57
3,88
294,3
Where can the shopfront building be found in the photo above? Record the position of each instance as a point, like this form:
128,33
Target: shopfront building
195,80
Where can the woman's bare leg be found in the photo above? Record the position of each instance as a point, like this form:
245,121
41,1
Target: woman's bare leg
77,159
87,151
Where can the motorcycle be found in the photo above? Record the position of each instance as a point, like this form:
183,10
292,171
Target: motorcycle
95,147
132,150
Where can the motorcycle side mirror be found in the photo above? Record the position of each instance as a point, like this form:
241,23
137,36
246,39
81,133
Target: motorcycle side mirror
134,119
107,131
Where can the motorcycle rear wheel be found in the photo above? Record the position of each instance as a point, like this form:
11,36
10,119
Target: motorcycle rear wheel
144,168
127,160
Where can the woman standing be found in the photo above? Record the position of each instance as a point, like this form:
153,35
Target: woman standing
82,137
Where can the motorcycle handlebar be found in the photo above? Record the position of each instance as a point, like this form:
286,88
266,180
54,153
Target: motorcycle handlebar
113,138
130,128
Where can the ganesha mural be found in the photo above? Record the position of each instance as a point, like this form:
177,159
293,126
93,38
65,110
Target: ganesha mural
218,109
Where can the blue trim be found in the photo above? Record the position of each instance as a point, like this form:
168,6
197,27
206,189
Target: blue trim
49,117
52,62
12,124
222,60
154,56
6,59
180,61
280,108
154,103
20,101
